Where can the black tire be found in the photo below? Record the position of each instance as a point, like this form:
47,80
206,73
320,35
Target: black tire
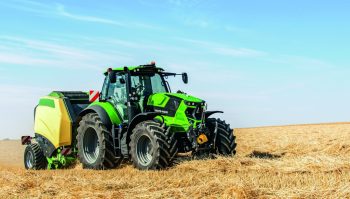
95,144
225,139
34,157
152,146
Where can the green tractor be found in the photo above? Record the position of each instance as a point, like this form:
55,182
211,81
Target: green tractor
135,118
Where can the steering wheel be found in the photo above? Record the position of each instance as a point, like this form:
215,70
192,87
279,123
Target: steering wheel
138,89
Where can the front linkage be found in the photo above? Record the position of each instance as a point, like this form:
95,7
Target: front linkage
202,140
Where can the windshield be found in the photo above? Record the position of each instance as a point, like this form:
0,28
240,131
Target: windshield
148,84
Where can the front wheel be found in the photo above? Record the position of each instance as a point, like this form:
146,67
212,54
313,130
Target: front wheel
225,139
34,157
152,146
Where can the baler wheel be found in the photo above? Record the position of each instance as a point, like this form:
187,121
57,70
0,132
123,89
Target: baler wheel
34,157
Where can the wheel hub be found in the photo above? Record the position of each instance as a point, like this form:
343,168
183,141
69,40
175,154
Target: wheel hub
29,159
91,145
144,149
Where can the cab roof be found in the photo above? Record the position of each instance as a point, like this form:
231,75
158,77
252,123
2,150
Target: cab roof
141,68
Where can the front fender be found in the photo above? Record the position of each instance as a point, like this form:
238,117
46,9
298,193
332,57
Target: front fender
102,113
136,120
209,113
141,117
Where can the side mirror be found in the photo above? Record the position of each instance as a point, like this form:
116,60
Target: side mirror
185,78
112,77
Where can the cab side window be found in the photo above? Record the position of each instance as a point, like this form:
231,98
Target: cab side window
104,91
117,95
114,91
118,90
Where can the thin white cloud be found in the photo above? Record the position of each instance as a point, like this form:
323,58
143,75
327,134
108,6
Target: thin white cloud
226,99
20,90
29,2
11,58
184,3
54,10
235,29
28,6
139,45
45,46
282,89
197,23
238,52
225,50
61,11
131,44
36,53
300,62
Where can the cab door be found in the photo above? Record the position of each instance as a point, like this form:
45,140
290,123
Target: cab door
115,93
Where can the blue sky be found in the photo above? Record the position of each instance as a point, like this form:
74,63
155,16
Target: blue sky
262,62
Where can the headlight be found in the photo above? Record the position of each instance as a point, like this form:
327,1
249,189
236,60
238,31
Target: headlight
190,103
195,103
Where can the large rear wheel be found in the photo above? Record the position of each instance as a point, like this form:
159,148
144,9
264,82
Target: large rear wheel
95,144
152,146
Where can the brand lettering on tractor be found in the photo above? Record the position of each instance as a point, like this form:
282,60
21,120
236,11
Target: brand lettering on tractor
94,96
161,111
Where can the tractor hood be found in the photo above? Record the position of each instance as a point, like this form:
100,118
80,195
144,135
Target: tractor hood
162,99
177,109
170,103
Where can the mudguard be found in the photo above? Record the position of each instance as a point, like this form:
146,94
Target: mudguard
141,117
45,144
209,113
101,113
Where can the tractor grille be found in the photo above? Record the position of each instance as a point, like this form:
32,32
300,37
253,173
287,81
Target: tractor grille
195,113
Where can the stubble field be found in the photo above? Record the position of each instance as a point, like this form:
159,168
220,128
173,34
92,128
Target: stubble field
305,161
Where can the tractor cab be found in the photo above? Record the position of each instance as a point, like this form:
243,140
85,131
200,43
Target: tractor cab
129,88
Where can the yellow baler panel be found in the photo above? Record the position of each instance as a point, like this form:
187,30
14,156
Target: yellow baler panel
54,123
66,125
